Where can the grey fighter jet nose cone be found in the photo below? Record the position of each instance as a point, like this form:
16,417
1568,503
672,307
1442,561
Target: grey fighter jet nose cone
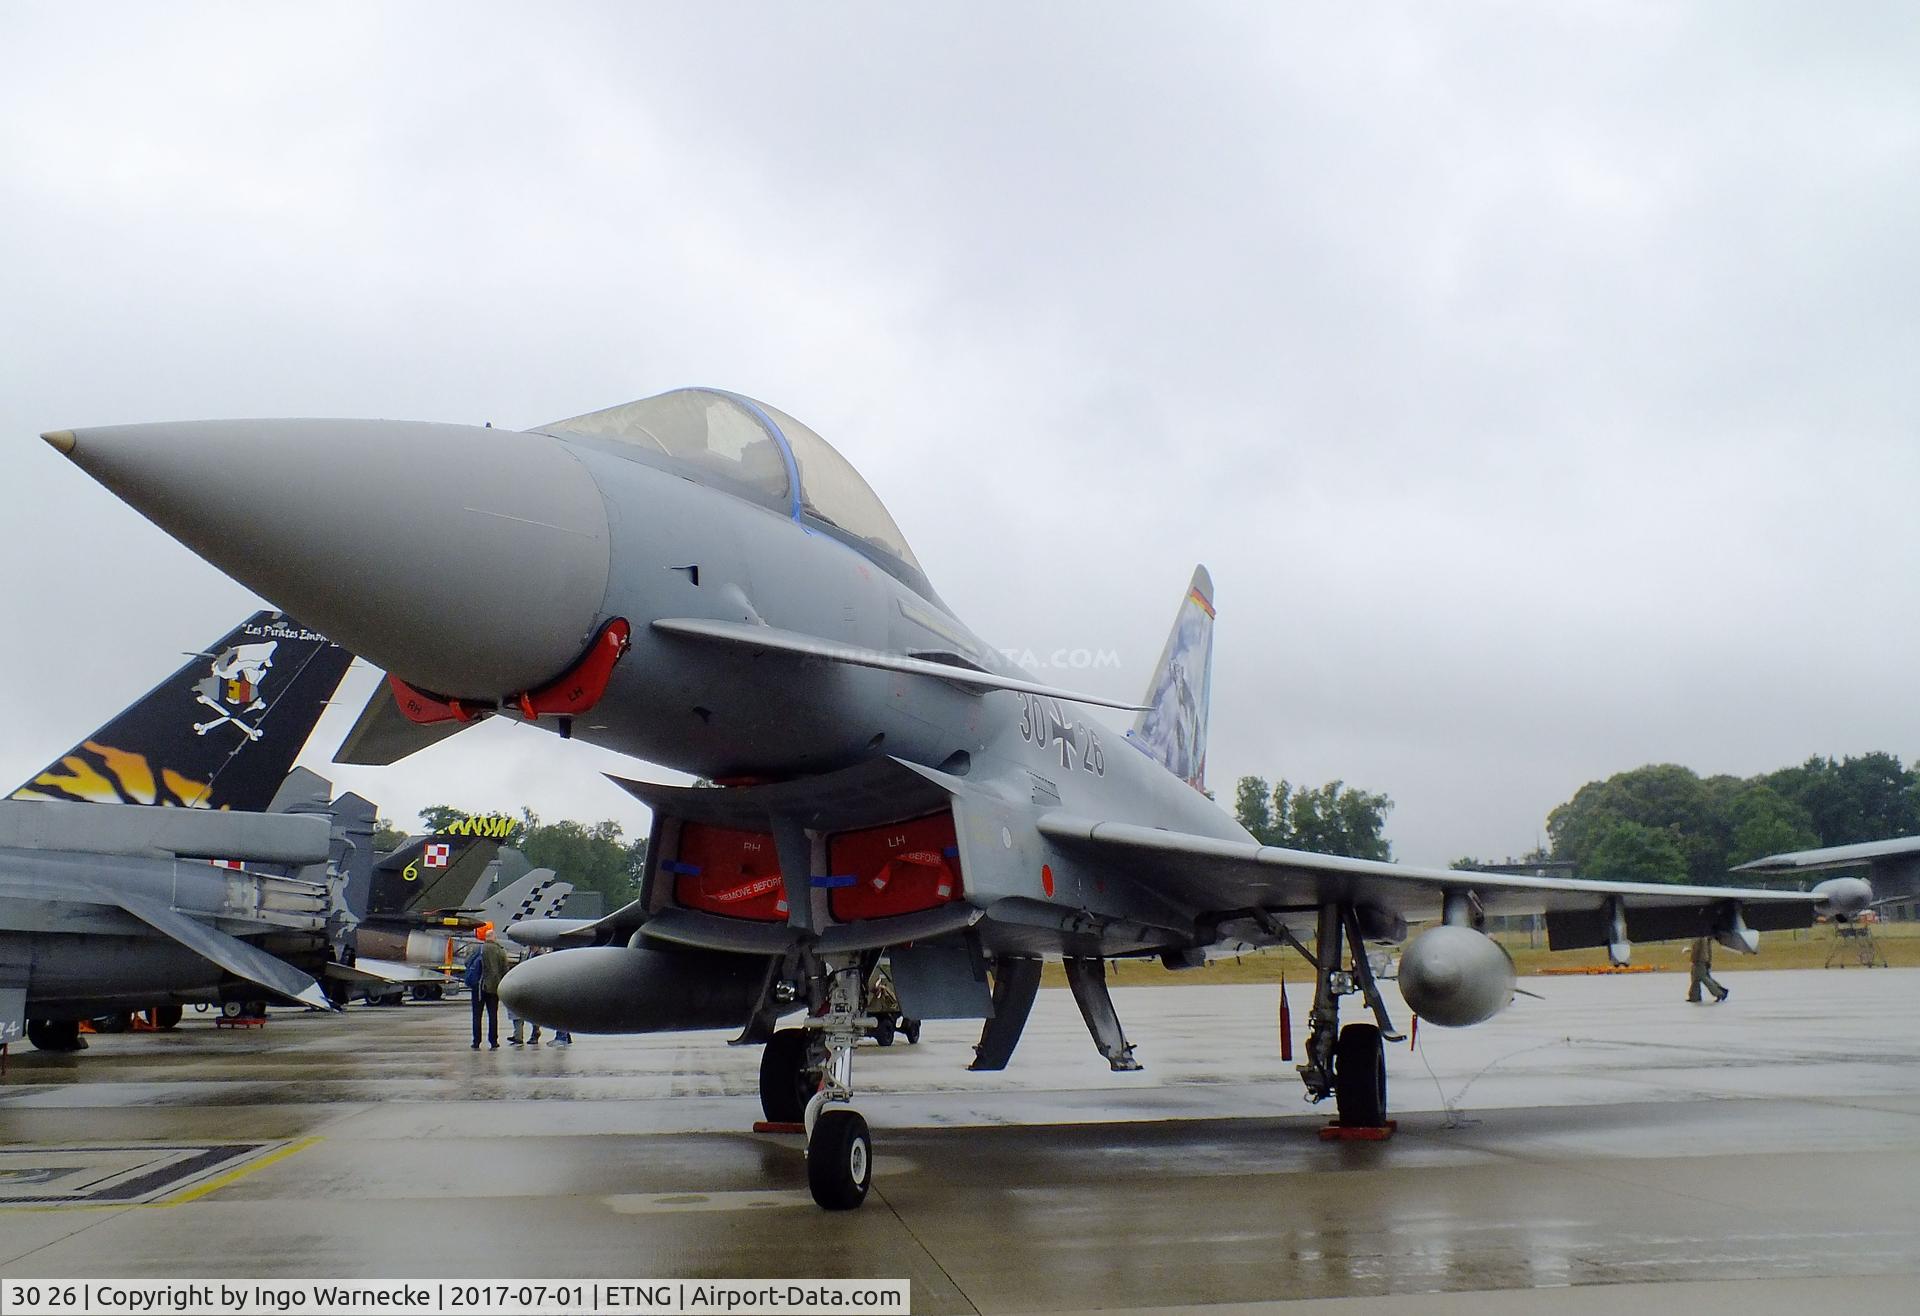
470,562
62,440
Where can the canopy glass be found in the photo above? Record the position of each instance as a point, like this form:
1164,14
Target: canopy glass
752,450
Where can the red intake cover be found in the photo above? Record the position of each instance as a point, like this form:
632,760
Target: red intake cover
897,869
726,872
580,688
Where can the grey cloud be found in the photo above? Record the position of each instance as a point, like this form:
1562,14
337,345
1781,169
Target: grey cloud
1536,383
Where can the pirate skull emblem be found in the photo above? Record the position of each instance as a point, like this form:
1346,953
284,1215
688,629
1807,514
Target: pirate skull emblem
232,687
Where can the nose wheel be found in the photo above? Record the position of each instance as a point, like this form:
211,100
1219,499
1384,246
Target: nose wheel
839,1159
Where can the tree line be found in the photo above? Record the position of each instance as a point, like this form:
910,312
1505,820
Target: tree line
1666,823
1658,823
1334,818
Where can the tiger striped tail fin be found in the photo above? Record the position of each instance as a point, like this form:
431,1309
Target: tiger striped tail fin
220,733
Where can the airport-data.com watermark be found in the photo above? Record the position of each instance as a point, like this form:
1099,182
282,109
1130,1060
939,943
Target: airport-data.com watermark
456,1297
1072,660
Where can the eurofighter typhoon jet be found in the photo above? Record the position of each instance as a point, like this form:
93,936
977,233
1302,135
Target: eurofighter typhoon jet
697,579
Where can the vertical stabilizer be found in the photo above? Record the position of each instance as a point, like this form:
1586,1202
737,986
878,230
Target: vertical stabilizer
433,874
539,894
220,733
1173,728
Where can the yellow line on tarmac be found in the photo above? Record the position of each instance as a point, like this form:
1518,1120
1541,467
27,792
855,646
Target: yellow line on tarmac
234,1176
193,1194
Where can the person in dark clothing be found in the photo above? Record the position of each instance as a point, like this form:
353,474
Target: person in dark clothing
1701,959
493,967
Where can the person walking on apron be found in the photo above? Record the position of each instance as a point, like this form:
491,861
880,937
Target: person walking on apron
1700,956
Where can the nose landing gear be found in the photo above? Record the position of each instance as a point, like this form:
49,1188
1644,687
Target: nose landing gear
839,1148
806,1079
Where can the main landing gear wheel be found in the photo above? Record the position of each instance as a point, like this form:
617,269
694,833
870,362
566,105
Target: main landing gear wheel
786,1080
165,1017
55,1035
1360,1077
840,1159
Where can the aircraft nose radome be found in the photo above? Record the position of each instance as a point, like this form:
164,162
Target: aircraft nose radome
471,562
62,440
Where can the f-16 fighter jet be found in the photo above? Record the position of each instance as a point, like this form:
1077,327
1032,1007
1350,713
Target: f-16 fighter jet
699,580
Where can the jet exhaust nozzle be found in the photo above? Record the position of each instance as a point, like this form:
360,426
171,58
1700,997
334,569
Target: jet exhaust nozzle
629,989
1454,976
1843,898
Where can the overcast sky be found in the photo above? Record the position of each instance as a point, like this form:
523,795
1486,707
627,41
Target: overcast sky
1541,384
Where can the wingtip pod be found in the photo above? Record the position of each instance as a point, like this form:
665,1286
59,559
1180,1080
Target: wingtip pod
1843,898
1456,977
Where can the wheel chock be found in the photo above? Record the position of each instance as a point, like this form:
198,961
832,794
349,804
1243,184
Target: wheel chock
778,1126
1338,1132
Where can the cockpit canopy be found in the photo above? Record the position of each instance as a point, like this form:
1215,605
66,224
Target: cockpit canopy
756,452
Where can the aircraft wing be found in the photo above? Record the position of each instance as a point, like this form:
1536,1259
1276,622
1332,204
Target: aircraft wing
1225,878
1835,856
612,930
230,953
364,970
44,905
771,639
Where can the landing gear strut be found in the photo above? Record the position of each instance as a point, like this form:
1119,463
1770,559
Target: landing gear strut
1347,1064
